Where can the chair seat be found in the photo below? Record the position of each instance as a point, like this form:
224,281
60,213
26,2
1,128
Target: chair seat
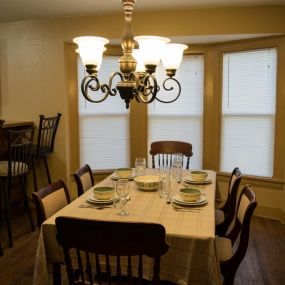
18,167
224,248
219,216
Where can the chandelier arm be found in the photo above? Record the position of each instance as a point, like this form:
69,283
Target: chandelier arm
86,85
170,89
111,91
148,87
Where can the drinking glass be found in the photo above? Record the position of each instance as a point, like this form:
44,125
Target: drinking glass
164,189
140,165
123,189
176,168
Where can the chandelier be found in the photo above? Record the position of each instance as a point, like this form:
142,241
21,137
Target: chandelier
137,66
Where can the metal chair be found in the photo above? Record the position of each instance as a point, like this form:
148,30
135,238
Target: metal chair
84,179
232,247
225,214
45,143
17,166
162,152
100,241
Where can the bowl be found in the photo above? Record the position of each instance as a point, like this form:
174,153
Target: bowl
124,172
198,175
147,182
190,194
103,193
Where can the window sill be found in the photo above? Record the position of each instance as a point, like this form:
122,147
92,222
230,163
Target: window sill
255,181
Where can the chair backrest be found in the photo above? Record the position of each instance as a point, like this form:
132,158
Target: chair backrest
84,179
50,200
229,207
46,134
241,228
19,153
107,239
162,152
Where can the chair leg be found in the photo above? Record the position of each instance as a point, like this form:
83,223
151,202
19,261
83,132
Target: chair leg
1,250
34,175
56,273
47,170
26,202
7,185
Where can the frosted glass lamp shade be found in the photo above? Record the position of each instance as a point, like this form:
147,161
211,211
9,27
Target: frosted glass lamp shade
150,48
91,49
172,55
137,55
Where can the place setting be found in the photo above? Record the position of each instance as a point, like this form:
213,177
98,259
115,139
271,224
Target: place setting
101,198
188,199
123,173
197,177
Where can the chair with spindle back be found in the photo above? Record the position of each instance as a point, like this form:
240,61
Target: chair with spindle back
45,143
163,151
232,247
102,240
17,166
84,179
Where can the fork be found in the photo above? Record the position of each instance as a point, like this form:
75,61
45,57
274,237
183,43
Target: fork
101,207
184,209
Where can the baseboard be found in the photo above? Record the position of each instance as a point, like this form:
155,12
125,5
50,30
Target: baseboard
271,213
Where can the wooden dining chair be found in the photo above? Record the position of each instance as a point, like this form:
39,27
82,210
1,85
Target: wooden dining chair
224,215
99,241
162,152
45,143
84,179
17,166
50,199
232,247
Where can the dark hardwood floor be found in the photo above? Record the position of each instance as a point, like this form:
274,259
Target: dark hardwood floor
264,262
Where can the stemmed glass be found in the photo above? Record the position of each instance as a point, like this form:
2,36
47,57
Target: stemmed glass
123,189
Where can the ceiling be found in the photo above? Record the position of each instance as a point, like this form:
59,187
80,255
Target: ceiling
18,10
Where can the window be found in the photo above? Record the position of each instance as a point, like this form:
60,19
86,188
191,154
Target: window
248,111
103,127
181,120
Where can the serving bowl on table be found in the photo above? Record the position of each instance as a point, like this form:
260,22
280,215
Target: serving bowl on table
190,194
148,182
124,172
103,193
198,175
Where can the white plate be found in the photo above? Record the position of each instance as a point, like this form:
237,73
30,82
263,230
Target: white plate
178,200
115,177
91,199
189,181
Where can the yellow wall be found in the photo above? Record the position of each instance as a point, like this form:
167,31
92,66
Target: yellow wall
34,75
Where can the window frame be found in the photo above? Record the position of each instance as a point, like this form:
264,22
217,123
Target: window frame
278,162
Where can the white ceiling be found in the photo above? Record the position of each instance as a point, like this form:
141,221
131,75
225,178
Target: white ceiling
17,10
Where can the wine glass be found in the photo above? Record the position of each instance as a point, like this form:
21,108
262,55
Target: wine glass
123,189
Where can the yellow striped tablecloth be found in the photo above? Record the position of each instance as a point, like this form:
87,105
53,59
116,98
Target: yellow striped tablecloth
191,258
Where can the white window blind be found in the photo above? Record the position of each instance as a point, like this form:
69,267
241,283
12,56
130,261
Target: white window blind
248,111
181,120
103,127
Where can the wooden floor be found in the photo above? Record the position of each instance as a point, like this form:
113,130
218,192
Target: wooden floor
264,263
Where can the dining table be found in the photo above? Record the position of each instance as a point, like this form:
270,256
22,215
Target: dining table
190,231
